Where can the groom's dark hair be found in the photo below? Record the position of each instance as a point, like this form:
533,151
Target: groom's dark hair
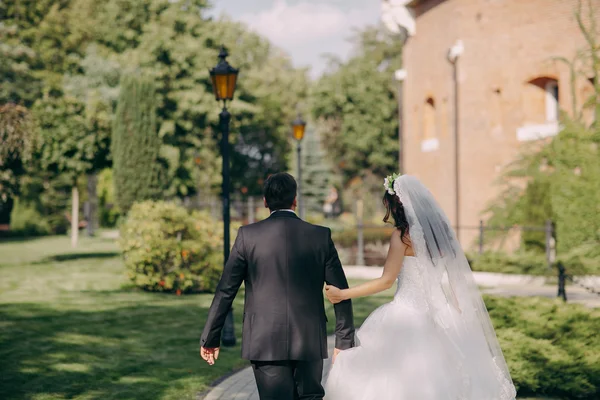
280,191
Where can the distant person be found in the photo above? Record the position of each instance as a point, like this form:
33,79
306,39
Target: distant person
284,263
435,340
330,201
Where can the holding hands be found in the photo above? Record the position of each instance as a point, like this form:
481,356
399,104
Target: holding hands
334,295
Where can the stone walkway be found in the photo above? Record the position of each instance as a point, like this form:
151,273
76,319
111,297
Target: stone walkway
241,385
509,285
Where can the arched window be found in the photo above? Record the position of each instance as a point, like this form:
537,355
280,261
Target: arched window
429,125
541,106
552,105
429,140
541,100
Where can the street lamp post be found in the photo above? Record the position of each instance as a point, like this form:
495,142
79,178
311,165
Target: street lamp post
400,76
298,126
224,78
453,55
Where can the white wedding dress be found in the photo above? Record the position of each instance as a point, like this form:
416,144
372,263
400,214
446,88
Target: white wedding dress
434,341
400,353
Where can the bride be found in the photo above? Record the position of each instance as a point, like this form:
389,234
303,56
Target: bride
435,340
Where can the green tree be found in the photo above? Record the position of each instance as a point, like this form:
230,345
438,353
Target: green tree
18,82
317,174
68,147
135,143
268,90
79,48
18,141
356,106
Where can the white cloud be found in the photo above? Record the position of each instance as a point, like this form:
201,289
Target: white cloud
289,25
307,29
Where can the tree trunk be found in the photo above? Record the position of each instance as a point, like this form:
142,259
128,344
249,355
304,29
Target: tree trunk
75,216
92,217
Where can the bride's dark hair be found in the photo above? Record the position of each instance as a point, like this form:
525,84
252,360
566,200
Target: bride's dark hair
395,209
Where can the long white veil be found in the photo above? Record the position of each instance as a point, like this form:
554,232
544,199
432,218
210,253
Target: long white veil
455,304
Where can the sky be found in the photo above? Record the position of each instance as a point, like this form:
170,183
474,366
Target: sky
305,29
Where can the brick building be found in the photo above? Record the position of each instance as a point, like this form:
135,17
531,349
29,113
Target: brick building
510,89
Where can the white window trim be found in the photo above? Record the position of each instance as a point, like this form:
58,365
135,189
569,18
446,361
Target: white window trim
529,132
430,145
551,101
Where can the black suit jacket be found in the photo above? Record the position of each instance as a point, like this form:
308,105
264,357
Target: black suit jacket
284,263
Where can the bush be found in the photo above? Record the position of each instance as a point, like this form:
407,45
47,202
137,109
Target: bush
349,237
529,263
551,347
168,249
27,221
108,212
583,259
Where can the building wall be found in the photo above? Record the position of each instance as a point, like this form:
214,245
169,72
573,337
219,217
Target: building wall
504,71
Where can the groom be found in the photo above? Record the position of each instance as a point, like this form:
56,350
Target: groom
284,263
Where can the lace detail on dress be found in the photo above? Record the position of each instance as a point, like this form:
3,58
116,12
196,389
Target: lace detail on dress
410,286
509,391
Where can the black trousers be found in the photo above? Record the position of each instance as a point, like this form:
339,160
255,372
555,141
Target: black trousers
289,380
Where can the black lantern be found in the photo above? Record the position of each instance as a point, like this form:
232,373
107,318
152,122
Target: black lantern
224,78
298,127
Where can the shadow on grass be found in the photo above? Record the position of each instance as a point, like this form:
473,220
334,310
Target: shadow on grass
15,238
139,352
77,256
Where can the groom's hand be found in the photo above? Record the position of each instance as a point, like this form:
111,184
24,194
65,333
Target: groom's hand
210,355
335,354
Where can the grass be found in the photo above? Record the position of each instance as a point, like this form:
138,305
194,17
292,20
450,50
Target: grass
71,327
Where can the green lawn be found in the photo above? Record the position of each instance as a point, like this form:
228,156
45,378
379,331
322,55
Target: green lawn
71,327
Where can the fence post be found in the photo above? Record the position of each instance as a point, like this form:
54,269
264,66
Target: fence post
213,208
360,257
550,244
561,282
251,209
481,233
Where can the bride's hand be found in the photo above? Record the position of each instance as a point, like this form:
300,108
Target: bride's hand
334,294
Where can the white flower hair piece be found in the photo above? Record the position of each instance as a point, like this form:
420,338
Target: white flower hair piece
388,183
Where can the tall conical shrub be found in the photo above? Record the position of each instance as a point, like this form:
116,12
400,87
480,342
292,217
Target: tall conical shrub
135,143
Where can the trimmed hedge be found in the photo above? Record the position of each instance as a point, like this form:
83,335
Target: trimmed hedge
552,349
529,263
349,237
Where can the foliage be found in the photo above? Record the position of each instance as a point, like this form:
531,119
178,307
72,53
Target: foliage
537,210
551,348
18,84
109,212
49,195
356,107
17,145
522,262
560,179
349,237
135,143
178,47
575,187
68,146
317,176
63,52
27,221
168,249
583,259
563,185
